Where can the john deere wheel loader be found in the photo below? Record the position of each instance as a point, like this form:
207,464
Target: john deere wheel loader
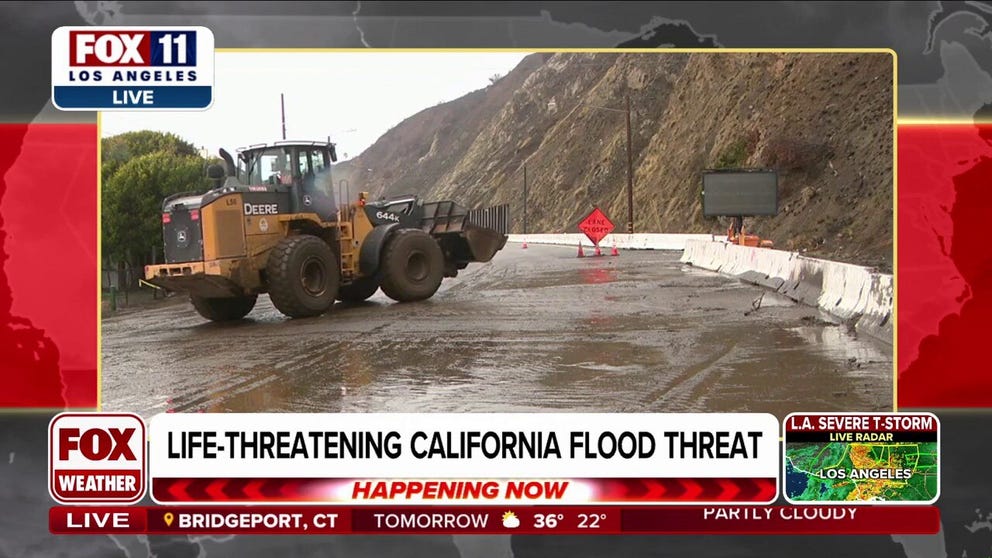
271,225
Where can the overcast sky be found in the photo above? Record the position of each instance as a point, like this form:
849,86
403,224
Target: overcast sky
354,97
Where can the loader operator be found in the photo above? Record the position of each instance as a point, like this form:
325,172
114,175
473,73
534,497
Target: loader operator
316,181
281,169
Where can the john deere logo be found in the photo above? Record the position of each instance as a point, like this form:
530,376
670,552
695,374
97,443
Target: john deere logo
181,236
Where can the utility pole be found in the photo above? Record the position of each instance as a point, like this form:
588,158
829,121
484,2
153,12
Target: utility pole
630,175
630,162
525,198
282,103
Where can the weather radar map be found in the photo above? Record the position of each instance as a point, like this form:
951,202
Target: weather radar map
867,458
861,471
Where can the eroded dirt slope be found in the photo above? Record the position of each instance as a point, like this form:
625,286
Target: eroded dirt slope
824,121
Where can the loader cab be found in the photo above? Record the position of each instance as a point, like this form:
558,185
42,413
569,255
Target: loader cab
302,168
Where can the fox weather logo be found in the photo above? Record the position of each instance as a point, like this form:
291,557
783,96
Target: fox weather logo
132,68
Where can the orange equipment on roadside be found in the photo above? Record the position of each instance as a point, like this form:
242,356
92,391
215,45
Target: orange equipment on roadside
737,235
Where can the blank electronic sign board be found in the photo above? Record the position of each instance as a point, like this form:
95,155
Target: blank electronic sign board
744,193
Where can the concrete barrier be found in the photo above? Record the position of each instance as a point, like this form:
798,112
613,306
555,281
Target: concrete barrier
855,294
644,241
804,282
877,319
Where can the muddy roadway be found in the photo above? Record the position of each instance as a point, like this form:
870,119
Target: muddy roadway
533,330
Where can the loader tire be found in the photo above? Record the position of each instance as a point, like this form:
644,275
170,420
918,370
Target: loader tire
358,290
223,309
412,266
303,276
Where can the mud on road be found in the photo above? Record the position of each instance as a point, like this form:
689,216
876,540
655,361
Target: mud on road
532,330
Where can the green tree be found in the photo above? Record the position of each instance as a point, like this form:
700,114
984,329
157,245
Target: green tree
132,200
119,149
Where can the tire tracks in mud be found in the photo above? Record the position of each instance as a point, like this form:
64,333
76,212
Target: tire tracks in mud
282,358
533,330
684,389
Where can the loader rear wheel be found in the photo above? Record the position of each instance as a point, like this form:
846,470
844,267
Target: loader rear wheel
303,276
223,309
358,290
412,266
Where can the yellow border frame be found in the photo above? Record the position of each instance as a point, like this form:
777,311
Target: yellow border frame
896,122
942,122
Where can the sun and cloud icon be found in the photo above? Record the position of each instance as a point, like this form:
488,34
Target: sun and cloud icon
510,520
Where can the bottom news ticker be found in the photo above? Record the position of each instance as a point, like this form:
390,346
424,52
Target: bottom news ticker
508,520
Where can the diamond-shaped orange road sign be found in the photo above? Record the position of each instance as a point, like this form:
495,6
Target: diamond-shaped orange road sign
596,226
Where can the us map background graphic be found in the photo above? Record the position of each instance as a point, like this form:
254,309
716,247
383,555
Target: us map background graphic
48,234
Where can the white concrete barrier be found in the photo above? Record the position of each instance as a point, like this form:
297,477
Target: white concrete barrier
703,254
855,294
877,319
852,293
643,241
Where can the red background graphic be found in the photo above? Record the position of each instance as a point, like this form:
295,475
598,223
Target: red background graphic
48,234
944,265
48,290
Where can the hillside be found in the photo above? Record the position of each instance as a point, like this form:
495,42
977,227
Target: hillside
825,121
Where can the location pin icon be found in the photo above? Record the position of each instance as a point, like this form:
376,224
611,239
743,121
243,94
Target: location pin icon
168,517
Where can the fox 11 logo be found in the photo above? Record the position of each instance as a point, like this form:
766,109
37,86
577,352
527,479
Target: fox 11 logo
96,458
132,68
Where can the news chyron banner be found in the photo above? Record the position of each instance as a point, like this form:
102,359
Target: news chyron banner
132,68
862,458
464,459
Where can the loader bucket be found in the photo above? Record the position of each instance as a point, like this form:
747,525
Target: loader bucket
483,243
451,224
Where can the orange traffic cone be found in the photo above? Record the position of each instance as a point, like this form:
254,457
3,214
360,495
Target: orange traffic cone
581,255
598,253
614,252
525,245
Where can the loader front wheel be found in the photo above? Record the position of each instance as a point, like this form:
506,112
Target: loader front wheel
412,266
223,309
358,290
303,276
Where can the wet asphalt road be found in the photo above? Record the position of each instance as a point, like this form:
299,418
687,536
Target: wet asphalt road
532,330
